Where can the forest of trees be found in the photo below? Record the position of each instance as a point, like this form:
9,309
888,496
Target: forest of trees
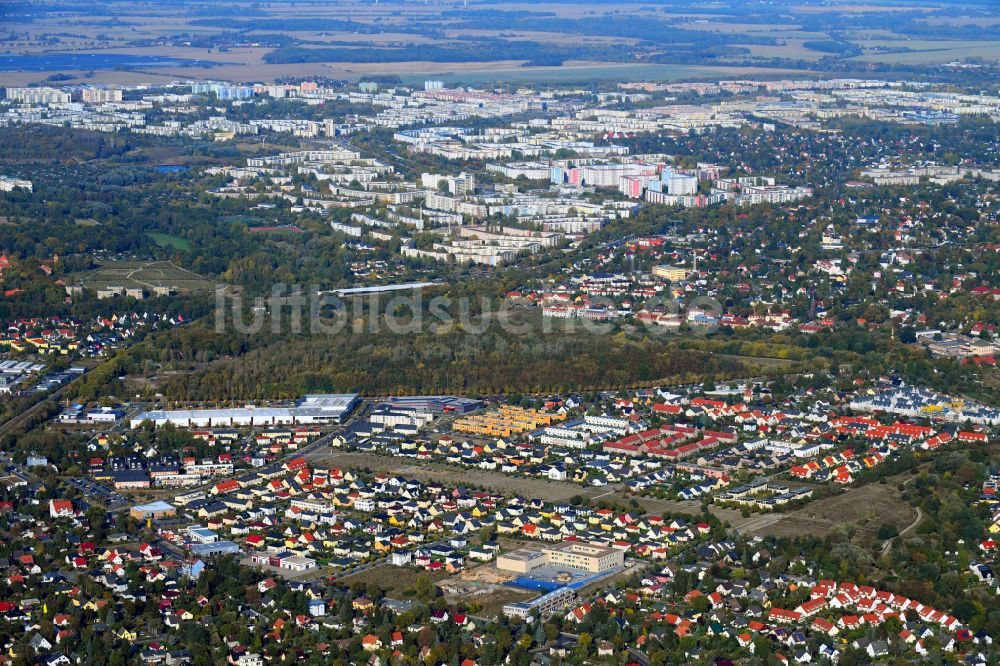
383,362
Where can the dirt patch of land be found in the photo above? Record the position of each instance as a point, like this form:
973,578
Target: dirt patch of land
491,606
394,581
485,591
865,508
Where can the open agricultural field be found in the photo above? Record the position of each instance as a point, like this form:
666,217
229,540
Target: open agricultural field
415,72
790,48
933,53
473,73
261,42
962,20
145,274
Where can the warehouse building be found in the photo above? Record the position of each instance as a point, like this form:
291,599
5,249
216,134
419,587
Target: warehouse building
310,409
154,510
215,548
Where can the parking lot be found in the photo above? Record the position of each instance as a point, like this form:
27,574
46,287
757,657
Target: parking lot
111,499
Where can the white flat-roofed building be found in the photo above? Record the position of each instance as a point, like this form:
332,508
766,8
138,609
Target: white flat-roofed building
101,95
573,434
10,184
523,560
570,440
313,505
529,170
586,556
209,468
399,416
573,554
311,409
202,535
174,480
104,415
800,449
545,604
297,563
607,422
20,367
41,95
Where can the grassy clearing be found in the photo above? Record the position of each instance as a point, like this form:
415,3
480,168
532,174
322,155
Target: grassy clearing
792,49
394,581
492,605
166,240
865,508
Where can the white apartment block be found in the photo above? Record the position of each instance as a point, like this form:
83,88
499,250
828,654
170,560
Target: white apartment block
101,95
38,96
